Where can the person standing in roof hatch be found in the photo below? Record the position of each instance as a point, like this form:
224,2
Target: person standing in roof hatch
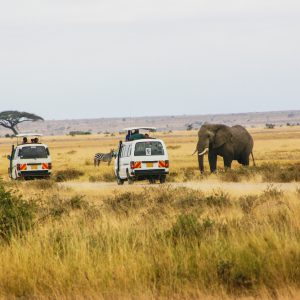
127,138
136,135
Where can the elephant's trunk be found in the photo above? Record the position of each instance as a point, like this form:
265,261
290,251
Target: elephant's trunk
201,165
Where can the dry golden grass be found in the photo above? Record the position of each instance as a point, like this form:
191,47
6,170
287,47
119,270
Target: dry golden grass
150,242
280,145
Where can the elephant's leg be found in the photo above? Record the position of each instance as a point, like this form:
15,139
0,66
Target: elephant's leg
212,158
245,160
227,162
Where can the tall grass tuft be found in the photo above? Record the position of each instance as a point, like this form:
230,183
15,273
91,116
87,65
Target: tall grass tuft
67,174
106,177
16,214
280,173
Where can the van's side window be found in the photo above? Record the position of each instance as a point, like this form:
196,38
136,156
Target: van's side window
123,151
128,152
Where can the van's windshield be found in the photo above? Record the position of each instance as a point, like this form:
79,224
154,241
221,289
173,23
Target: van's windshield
148,148
33,152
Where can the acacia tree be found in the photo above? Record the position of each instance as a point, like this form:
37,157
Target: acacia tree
10,119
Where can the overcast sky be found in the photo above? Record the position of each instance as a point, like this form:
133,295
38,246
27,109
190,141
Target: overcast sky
114,58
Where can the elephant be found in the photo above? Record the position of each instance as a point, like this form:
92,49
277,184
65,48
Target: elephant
232,143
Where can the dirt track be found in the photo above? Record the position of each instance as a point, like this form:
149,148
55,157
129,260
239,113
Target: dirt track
206,186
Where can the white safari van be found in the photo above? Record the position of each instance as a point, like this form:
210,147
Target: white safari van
29,158
141,157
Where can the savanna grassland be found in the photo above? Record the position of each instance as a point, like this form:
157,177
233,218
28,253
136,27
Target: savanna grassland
79,235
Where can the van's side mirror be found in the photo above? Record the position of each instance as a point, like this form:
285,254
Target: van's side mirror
9,157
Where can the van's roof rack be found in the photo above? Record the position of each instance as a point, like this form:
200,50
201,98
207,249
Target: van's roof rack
152,129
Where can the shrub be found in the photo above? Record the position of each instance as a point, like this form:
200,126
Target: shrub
77,202
172,176
189,228
186,226
247,203
43,184
57,206
109,177
96,178
224,270
88,162
71,152
106,177
230,176
188,173
278,173
238,174
78,132
218,198
272,192
190,199
16,214
67,174
125,201
174,147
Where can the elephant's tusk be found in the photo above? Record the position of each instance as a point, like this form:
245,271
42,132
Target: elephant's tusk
202,153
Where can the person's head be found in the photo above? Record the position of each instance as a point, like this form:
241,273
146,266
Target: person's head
36,140
25,140
146,135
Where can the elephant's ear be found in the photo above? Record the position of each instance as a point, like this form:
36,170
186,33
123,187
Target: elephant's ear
223,135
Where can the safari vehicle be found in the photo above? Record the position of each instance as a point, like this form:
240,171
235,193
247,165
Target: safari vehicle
141,157
29,158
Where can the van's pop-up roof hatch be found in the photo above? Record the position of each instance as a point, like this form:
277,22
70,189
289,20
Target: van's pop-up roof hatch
131,130
151,129
27,135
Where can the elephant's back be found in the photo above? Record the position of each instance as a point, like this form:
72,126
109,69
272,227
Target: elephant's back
242,136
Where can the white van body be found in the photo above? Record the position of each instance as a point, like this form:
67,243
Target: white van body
30,160
142,159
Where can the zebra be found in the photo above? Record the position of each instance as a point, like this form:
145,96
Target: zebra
106,157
